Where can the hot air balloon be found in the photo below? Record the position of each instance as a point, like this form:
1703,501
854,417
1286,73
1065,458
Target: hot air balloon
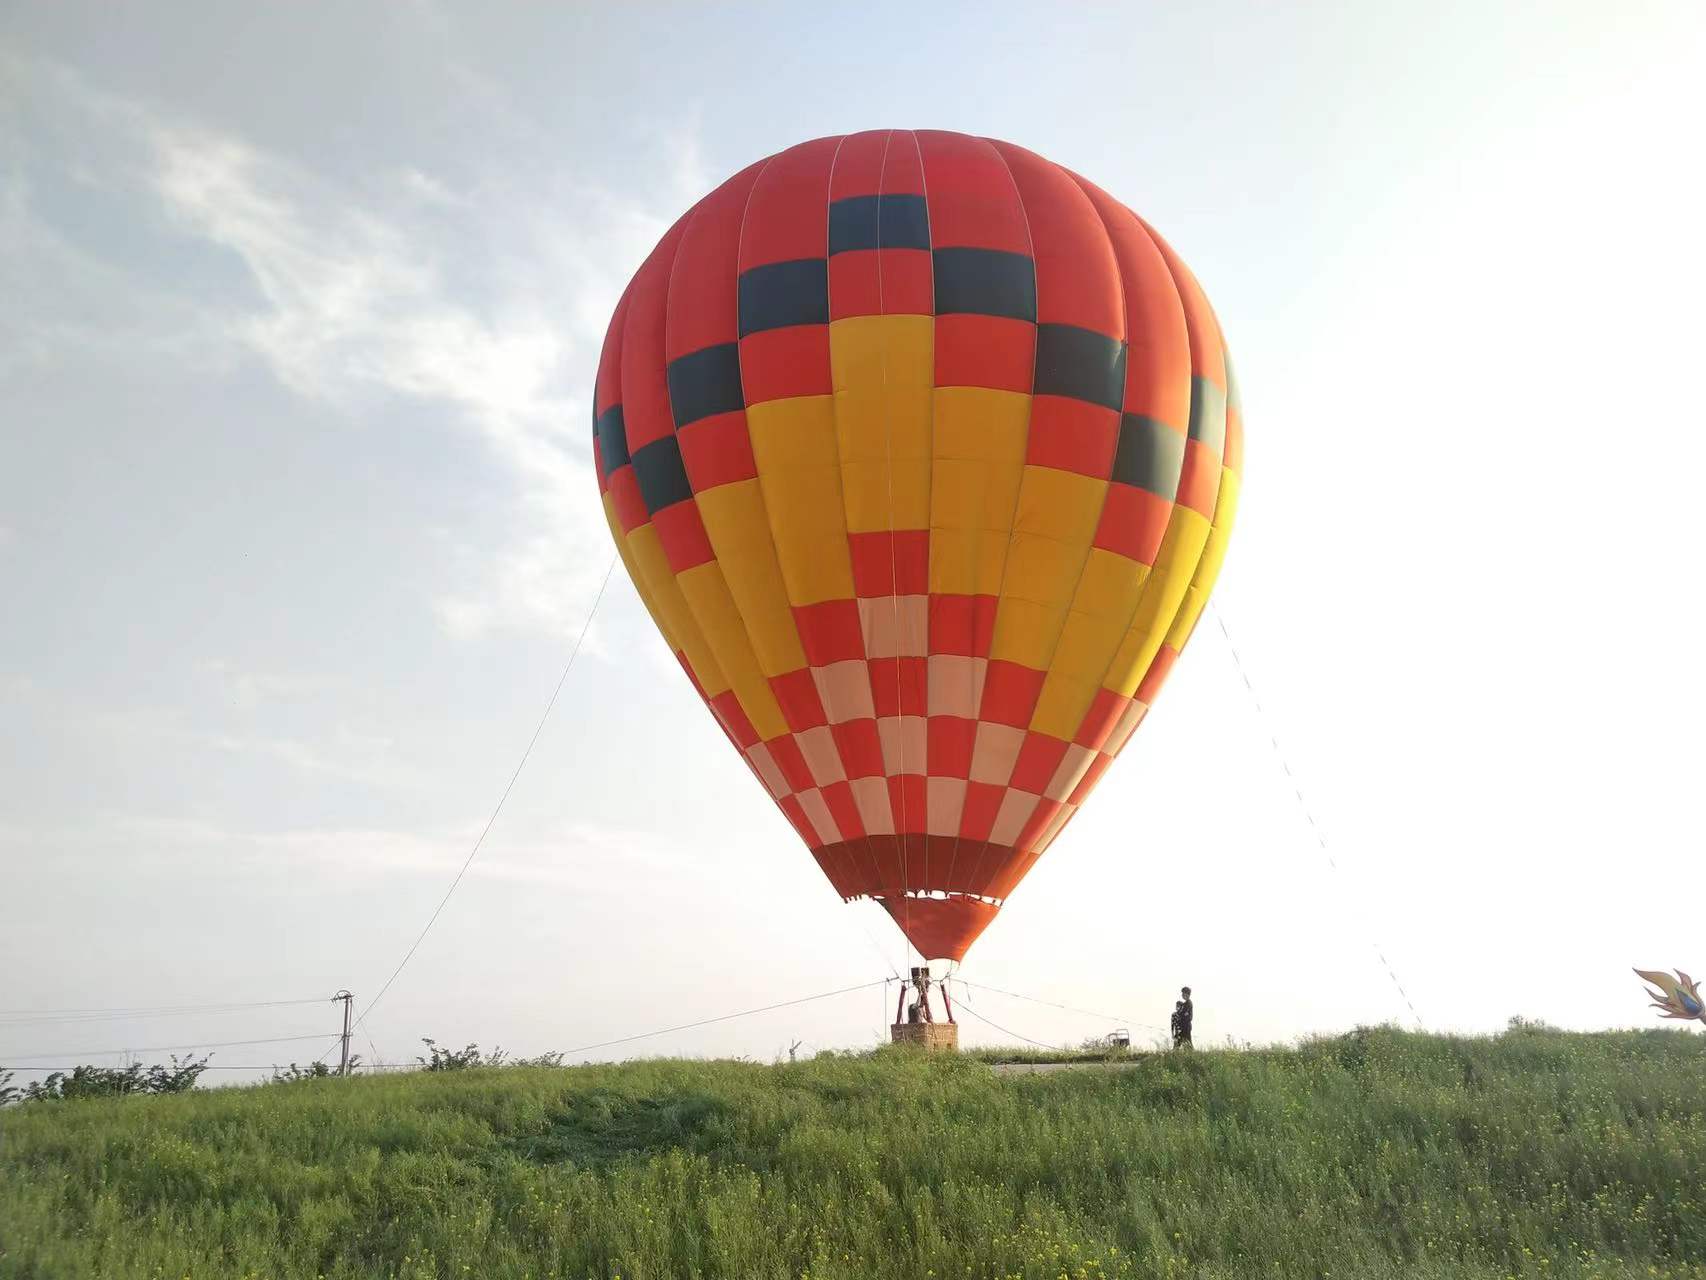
923,453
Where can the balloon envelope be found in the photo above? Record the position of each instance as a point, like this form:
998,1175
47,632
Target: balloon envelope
923,453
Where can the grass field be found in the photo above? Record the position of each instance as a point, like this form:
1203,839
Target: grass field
1379,1154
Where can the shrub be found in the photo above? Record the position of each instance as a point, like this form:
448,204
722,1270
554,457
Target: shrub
293,1074
470,1056
108,1082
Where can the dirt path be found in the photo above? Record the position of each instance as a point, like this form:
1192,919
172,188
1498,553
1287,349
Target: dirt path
1037,1068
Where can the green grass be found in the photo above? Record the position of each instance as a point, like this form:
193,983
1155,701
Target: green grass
1022,1053
1379,1154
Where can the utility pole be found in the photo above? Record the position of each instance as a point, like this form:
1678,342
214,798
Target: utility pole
343,1063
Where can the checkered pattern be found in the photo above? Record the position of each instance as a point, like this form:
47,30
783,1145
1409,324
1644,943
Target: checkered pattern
923,453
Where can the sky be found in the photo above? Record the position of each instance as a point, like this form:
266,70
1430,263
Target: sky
299,317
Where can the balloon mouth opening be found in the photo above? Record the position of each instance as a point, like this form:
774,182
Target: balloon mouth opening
941,905
930,896
940,925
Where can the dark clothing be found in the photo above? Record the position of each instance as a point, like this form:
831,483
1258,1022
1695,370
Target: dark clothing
1182,1012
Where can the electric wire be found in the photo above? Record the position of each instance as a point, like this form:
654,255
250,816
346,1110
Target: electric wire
1089,1013
155,1048
726,1017
965,1007
491,821
1308,814
27,1017
881,954
321,1056
72,1066
1003,1030
251,1066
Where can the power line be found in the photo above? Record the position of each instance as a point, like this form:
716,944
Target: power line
321,1055
966,1008
1308,814
1089,1013
253,1066
703,1022
153,1048
602,1044
22,1017
149,1008
727,1017
877,947
486,830
271,1066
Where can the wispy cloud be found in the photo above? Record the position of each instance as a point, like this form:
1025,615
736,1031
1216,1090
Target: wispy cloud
342,749
56,294
588,859
488,302
341,752
356,299
245,689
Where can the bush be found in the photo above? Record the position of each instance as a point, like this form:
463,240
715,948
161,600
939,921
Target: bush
470,1056
463,1059
294,1074
1519,1024
108,1082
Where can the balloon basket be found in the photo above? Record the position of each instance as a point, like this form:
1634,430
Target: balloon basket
916,1024
934,1037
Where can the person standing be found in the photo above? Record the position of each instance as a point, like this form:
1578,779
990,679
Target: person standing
1183,1011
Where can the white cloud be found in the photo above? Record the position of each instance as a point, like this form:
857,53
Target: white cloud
242,689
340,749
55,295
586,858
341,752
354,303
490,303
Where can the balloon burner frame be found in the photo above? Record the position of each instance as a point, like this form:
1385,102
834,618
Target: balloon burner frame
916,1024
